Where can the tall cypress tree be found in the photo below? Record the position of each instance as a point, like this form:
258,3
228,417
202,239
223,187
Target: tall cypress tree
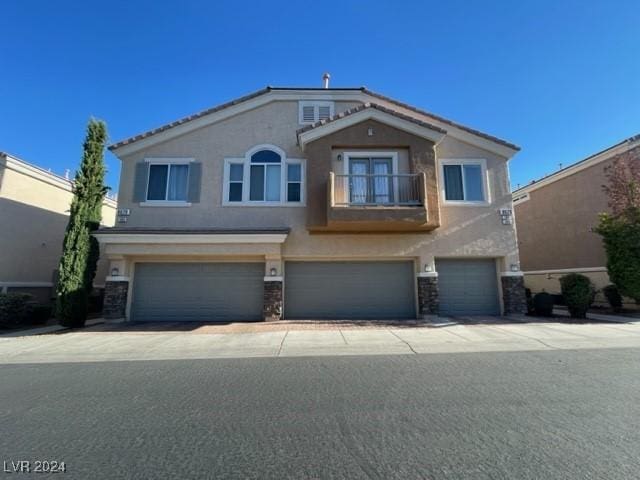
80,250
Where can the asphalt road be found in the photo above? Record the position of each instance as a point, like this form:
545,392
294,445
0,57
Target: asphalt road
520,415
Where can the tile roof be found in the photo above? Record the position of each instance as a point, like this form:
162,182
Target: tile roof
367,106
442,119
189,118
268,89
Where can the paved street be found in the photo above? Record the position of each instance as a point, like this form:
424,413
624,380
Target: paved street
290,339
501,415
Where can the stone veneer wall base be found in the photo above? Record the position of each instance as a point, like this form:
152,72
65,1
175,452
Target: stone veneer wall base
272,307
513,295
428,297
115,299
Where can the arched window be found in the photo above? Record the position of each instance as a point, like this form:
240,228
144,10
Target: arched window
265,176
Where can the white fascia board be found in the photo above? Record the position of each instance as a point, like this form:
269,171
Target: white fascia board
369,114
40,174
182,239
578,167
297,95
24,168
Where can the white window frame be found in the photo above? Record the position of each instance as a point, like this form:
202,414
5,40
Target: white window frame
348,156
484,176
166,203
246,178
315,104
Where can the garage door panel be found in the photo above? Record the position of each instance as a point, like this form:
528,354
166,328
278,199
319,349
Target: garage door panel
197,292
349,290
468,287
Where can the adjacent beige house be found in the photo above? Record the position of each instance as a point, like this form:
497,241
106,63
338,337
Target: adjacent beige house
555,217
34,210
302,203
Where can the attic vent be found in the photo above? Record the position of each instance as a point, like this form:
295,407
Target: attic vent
308,114
324,112
314,111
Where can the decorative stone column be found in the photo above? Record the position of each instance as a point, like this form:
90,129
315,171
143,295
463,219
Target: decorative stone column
513,293
428,294
115,298
272,303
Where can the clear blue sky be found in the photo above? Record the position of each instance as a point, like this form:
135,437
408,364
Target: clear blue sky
559,78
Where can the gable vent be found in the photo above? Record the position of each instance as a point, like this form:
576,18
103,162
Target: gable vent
324,112
311,111
308,114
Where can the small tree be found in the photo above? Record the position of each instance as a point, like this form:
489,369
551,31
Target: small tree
620,229
80,250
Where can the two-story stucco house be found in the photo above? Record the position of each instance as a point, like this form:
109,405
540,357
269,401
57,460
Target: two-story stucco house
309,203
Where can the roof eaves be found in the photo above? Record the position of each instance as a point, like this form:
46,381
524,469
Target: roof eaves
629,141
442,119
188,118
366,106
316,89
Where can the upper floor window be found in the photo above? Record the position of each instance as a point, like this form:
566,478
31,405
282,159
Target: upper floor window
265,176
464,181
313,111
168,181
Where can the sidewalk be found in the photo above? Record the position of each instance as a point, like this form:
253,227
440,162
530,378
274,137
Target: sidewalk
89,346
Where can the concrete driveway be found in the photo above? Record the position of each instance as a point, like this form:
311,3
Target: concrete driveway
289,339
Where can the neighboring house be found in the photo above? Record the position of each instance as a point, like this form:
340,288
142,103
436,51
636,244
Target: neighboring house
305,203
34,211
555,218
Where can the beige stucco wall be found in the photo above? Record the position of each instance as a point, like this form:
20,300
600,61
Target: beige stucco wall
555,224
465,231
34,211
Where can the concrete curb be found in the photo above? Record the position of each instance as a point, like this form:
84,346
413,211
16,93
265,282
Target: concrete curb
28,332
599,317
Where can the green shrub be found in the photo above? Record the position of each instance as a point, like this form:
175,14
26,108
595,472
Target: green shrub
15,309
543,304
529,297
578,293
613,297
621,237
40,314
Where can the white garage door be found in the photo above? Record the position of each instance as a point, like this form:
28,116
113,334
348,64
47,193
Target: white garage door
182,292
468,287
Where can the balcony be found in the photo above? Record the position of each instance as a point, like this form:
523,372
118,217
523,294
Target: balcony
377,203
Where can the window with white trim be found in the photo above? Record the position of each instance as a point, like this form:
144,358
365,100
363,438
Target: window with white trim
265,176
313,111
464,181
168,182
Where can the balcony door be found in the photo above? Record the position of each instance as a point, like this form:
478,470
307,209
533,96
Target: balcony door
370,180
